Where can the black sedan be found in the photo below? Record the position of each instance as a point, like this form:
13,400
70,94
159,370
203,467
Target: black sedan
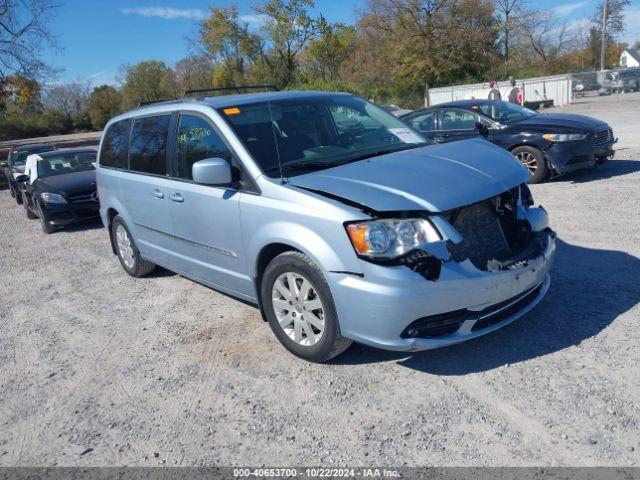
547,144
59,187
14,165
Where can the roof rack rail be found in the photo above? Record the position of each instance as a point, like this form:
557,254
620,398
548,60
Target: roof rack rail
237,88
151,102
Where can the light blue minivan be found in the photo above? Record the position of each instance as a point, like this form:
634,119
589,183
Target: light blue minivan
332,216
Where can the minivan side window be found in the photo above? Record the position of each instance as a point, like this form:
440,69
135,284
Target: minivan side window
114,145
197,140
148,146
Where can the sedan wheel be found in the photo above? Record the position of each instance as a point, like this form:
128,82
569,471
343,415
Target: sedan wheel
298,308
529,161
533,160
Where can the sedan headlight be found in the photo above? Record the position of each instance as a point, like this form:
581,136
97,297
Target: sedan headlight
391,238
564,137
52,198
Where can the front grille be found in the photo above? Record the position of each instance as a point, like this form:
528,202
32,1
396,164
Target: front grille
435,325
602,138
90,197
482,236
448,323
497,313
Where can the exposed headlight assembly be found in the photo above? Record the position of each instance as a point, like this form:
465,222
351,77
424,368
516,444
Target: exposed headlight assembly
52,198
564,137
391,238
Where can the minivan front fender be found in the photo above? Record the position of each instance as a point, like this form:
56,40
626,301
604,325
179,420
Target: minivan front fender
337,256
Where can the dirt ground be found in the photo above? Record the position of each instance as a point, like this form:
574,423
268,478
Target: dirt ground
97,368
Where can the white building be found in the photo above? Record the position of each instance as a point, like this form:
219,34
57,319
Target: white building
630,58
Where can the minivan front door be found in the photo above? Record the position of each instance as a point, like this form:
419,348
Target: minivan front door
206,219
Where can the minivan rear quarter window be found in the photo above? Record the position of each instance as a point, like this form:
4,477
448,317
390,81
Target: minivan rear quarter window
114,145
148,146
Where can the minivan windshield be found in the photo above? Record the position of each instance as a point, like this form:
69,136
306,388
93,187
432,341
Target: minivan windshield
66,163
505,112
317,132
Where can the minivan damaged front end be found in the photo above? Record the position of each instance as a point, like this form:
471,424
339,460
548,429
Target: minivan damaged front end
402,307
486,265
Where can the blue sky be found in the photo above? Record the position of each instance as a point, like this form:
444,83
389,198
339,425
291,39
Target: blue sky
97,36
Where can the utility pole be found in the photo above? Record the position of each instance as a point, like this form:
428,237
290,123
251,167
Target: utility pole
603,34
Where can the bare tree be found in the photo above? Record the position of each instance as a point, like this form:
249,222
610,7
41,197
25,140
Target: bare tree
24,31
70,99
614,21
547,38
507,11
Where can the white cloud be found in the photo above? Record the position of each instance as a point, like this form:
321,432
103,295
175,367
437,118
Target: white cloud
254,20
167,13
568,8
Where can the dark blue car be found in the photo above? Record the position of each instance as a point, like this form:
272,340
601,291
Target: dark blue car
547,144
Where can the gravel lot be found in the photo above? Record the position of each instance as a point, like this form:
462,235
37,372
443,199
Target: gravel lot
97,368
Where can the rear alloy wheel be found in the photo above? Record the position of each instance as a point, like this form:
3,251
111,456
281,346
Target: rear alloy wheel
533,160
128,253
297,302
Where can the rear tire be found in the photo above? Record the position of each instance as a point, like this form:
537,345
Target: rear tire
303,317
127,252
533,160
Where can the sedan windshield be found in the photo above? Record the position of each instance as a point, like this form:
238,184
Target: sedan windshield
505,112
19,157
312,133
66,163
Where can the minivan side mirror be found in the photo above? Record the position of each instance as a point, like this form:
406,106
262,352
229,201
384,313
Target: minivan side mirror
211,171
22,178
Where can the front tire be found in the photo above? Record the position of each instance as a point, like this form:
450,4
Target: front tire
299,306
44,223
533,160
17,195
30,214
128,253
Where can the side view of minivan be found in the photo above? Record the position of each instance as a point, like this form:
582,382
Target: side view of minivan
332,216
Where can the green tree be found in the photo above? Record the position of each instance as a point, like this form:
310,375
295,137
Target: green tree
229,43
148,81
325,55
105,102
288,28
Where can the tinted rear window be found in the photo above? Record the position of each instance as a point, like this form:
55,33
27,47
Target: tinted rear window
114,146
148,146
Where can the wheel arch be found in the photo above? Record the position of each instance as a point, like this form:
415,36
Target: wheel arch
111,214
265,256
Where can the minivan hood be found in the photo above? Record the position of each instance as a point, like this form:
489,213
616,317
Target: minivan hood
436,178
563,120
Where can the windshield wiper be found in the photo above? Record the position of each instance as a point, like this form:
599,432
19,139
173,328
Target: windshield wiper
384,151
302,166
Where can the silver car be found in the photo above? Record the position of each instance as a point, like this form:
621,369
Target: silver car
332,216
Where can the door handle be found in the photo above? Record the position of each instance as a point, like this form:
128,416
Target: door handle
157,193
176,197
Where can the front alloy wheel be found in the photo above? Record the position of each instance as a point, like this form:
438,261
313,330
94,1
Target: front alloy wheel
298,308
297,302
533,160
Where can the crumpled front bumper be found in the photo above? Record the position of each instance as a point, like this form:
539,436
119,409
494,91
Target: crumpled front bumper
569,156
376,308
